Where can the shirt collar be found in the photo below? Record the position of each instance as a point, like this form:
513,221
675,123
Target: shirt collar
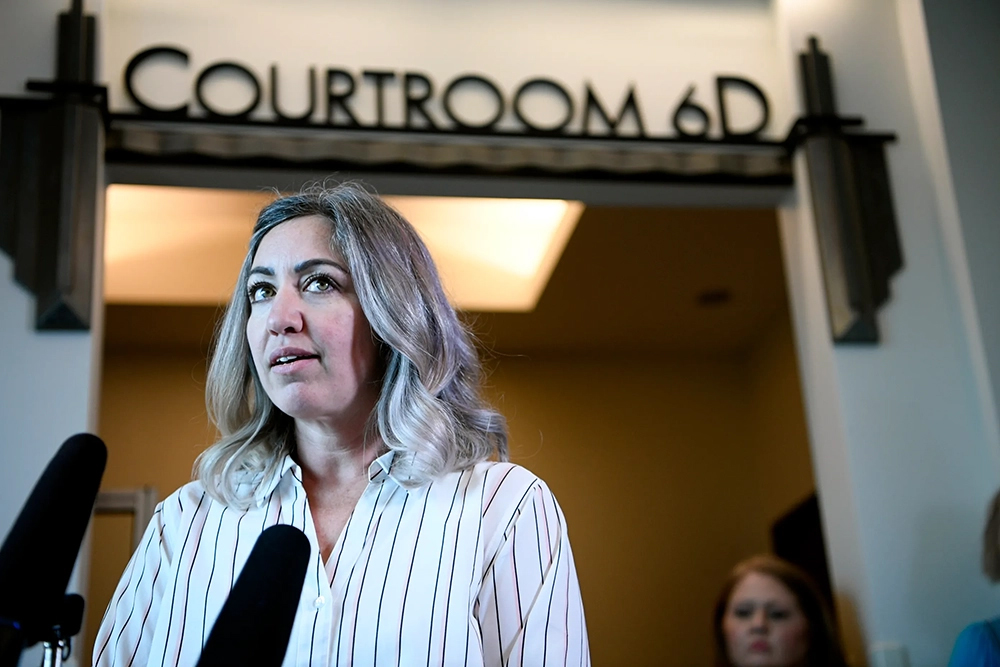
269,482
381,468
379,471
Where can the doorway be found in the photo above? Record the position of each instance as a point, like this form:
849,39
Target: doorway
654,387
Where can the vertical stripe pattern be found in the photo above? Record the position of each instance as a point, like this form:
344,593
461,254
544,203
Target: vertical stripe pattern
472,569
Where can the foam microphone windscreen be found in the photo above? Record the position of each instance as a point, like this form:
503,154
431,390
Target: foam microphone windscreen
256,620
37,558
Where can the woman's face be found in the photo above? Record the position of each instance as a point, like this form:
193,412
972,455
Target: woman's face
763,624
311,343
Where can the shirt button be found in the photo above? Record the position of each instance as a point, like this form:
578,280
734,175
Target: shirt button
319,602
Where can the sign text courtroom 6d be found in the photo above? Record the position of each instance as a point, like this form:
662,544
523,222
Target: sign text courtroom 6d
413,91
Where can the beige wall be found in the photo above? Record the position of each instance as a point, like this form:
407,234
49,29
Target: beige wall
648,461
668,470
153,417
153,420
783,465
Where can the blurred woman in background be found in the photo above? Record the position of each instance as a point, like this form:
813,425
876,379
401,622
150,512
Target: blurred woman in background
979,643
770,614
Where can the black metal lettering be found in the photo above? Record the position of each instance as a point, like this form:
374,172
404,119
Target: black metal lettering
304,118
630,104
687,107
338,100
218,67
415,100
723,82
379,77
547,83
134,64
482,82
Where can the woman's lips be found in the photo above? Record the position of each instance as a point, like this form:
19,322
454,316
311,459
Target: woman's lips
293,365
760,645
287,355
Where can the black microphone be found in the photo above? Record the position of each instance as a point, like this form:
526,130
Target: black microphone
37,558
256,620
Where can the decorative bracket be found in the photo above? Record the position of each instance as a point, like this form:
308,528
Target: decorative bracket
51,152
852,204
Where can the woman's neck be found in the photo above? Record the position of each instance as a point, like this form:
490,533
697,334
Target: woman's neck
329,457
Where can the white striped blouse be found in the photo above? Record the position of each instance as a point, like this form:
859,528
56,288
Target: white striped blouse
472,569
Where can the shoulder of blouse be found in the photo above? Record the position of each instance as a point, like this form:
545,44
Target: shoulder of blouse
178,509
512,494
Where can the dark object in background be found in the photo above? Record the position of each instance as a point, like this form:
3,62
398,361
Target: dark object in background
797,537
856,231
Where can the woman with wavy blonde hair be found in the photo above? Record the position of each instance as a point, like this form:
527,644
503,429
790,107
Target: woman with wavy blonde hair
346,394
429,410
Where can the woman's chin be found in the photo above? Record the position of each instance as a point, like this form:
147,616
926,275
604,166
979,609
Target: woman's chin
300,408
320,412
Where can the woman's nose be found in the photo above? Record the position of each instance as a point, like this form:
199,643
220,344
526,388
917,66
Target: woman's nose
759,620
285,314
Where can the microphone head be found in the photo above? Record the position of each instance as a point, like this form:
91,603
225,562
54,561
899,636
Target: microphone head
70,617
38,555
256,620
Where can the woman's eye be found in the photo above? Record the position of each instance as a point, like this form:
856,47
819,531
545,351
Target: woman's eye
259,292
779,614
743,612
320,283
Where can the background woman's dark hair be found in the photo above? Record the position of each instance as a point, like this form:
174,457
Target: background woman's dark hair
991,540
824,644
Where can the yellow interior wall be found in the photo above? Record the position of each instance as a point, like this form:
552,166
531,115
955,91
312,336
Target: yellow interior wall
110,537
154,423
153,417
779,421
648,459
668,471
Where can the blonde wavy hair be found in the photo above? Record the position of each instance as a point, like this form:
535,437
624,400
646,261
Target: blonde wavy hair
429,410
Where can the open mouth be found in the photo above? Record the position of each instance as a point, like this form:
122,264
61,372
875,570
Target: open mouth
290,358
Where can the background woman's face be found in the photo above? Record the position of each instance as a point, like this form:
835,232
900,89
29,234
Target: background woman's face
763,624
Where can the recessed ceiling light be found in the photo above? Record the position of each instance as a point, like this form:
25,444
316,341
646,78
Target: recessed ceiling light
493,254
712,298
184,246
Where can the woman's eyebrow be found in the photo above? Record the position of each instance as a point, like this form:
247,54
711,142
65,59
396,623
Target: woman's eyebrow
304,266
261,270
301,267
